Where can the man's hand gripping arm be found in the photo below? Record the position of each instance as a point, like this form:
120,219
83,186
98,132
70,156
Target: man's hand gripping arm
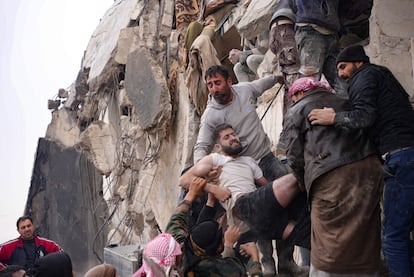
205,169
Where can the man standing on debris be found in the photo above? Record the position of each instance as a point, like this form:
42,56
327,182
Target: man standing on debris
317,38
342,176
236,105
282,43
27,248
381,105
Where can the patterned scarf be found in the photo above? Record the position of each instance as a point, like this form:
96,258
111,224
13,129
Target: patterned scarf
159,255
307,83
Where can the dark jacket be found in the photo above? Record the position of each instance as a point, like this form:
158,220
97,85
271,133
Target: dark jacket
13,253
53,265
315,150
209,265
320,12
285,8
380,104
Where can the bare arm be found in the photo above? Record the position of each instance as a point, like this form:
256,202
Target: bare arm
250,249
231,236
202,169
261,182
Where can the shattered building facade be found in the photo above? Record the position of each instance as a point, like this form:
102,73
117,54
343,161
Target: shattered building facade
121,134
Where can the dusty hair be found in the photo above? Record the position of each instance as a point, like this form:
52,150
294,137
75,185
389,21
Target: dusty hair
218,129
217,69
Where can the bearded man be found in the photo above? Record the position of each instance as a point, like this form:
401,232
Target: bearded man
275,210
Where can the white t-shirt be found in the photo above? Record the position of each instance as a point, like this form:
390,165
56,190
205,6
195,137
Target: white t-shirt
238,175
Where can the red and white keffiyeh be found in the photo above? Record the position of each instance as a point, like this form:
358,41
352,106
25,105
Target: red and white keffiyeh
162,251
307,83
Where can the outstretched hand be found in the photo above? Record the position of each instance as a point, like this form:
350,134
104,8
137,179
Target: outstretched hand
325,116
249,249
214,174
231,236
234,55
280,79
222,194
196,188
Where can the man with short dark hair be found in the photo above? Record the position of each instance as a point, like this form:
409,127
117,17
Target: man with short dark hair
236,105
27,248
381,105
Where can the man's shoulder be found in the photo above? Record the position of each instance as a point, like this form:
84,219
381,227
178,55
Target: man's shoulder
219,159
265,79
246,159
315,99
45,242
11,243
212,113
369,69
218,266
249,161
42,239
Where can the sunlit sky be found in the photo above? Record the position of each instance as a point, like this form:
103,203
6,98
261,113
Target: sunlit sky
41,47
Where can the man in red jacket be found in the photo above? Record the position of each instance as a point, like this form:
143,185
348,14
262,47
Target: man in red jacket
27,248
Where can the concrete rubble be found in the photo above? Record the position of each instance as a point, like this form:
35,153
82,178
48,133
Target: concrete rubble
129,114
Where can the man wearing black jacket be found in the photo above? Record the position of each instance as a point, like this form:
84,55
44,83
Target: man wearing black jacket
342,176
381,105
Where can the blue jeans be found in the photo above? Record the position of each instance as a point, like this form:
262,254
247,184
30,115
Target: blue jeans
399,213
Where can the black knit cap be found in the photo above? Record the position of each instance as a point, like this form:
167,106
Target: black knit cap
207,235
354,53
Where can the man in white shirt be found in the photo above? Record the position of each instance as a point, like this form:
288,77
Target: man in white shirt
275,210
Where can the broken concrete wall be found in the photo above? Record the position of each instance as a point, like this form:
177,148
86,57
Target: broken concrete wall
391,34
66,203
256,18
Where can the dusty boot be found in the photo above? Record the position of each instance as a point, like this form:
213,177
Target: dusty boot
284,259
291,269
268,263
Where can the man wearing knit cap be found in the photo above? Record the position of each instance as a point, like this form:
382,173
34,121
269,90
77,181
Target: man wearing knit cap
381,105
202,245
342,176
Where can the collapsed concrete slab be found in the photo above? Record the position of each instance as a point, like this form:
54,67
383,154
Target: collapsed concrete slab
66,203
256,18
147,89
98,140
63,129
